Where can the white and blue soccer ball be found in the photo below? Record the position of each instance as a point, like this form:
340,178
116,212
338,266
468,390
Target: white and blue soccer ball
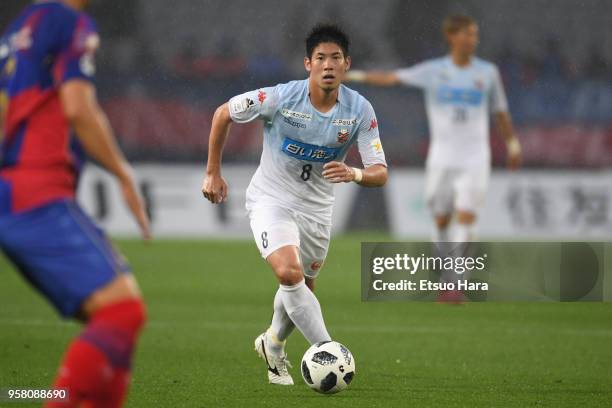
328,367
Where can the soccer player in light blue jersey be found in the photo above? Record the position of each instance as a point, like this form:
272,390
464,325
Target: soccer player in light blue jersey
309,126
461,91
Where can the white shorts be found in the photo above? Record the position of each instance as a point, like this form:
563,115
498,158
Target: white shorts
449,189
275,227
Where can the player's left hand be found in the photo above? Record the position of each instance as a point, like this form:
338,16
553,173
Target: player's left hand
337,172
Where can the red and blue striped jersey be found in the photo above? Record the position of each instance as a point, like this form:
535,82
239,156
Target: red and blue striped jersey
47,45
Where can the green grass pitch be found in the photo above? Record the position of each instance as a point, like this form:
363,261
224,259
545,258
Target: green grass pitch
208,300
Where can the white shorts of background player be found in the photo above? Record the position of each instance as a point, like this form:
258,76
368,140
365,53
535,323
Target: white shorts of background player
452,189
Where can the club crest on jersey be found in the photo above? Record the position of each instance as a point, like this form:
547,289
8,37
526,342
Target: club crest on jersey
343,136
479,84
261,95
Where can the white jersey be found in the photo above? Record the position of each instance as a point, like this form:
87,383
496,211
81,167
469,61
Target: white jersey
458,102
299,140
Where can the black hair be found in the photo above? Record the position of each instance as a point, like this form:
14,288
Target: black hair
455,23
322,33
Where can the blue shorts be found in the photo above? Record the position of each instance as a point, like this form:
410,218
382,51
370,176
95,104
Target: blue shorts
60,250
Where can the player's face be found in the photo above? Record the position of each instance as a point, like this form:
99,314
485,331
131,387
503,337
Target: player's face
327,65
465,41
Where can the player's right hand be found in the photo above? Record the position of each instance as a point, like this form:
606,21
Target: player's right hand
136,205
214,188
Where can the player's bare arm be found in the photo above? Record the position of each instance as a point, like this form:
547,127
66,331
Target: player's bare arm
372,176
377,78
80,105
503,122
214,187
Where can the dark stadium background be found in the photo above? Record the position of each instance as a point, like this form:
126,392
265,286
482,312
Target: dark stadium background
163,70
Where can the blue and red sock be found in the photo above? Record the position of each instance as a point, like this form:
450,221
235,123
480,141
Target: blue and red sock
96,367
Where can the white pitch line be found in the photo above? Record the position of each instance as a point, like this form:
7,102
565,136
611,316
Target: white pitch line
373,329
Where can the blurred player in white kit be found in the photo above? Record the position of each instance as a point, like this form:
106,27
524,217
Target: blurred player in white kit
461,91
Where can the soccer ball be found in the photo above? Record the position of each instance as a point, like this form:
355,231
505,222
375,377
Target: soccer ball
328,367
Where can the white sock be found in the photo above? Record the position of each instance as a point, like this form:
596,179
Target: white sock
464,233
304,310
440,234
281,326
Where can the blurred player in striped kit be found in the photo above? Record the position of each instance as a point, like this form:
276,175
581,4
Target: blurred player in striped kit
51,121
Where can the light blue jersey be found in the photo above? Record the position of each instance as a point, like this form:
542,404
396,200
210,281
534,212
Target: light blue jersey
458,102
299,140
